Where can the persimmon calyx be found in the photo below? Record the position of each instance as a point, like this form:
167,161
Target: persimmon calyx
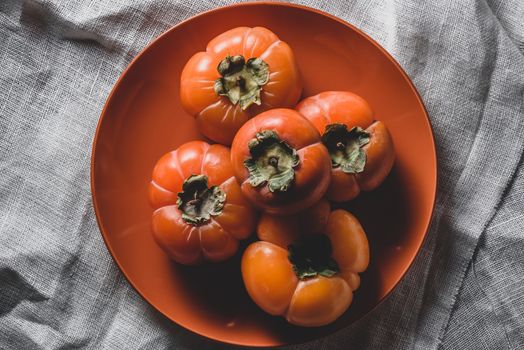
345,147
272,162
311,256
198,202
242,81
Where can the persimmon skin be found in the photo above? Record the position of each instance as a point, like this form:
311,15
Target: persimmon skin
215,240
284,230
273,285
347,108
217,118
268,276
312,176
319,301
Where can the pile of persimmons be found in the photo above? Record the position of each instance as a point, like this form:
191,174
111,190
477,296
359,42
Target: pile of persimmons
275,167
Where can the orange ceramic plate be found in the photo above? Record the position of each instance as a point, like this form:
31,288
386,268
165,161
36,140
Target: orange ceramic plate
143,119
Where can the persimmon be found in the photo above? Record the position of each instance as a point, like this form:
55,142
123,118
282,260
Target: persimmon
307,277
361,148
242,73
280,162
200,212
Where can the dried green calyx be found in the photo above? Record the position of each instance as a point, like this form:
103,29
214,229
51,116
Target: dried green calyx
242,81
345,147
311,256
197,202
272,162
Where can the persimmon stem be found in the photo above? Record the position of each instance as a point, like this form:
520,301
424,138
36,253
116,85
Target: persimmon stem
241,81
311,256
197,202
272,162
346,147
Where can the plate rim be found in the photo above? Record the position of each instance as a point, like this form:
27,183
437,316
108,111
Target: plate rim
103,231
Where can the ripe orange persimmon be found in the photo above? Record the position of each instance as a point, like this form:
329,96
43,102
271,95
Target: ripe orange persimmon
308,276
361,149
200,213
280,162
242,73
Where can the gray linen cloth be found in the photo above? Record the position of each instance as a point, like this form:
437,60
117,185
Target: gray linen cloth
60,289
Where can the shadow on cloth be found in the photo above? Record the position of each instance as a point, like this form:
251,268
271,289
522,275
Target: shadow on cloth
14,289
